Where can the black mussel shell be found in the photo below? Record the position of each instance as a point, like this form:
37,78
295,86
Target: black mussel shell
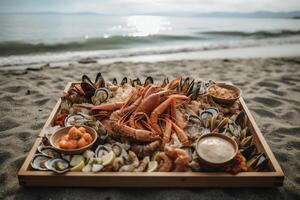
86,79
184,86
258,162
148,81
165,82
89,91
124,80
248,151
190,89
241,119
99,81
195,92
136,81
115,81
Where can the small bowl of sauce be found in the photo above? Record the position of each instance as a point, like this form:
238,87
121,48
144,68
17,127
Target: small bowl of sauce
215,149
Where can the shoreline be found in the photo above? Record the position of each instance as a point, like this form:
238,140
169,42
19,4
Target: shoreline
270,51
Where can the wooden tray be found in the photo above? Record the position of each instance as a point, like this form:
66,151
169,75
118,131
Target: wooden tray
275,177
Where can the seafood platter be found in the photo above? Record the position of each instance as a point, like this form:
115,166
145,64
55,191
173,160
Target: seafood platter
181,132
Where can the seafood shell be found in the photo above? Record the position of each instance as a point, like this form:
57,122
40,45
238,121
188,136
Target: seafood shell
74,119
48,151
58,165
39,162
148,81
101,150
100,96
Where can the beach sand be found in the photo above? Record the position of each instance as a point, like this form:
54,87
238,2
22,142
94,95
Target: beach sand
271,88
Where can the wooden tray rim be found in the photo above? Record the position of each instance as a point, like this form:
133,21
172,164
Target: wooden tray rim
277,174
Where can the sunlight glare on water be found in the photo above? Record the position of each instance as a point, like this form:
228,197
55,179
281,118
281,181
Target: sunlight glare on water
147,25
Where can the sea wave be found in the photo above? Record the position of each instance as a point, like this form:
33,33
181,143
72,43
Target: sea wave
114,42
124,42
255,34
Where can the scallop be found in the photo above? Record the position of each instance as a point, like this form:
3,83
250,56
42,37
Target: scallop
38,162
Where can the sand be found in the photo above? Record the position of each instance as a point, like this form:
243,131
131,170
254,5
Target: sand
271,88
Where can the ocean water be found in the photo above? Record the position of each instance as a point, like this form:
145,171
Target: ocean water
40,38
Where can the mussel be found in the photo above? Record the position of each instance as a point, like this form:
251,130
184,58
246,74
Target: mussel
186,86
38,162
258,162
135,82
165,82
247,152
115,81
124,80
148,81
241,119
89,87
58,165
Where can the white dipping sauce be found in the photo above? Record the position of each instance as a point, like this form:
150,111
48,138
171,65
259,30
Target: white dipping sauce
215,149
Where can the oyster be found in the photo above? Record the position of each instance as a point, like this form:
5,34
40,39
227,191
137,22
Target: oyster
38,162
48,151
75,119
58,165
100,96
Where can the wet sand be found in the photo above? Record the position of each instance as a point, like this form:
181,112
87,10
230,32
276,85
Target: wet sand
271,88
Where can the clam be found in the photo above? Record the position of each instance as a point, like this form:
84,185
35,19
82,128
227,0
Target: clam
100,96
48,151
58,165
148,81
38,162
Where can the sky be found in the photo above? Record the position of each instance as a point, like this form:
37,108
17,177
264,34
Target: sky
147,6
